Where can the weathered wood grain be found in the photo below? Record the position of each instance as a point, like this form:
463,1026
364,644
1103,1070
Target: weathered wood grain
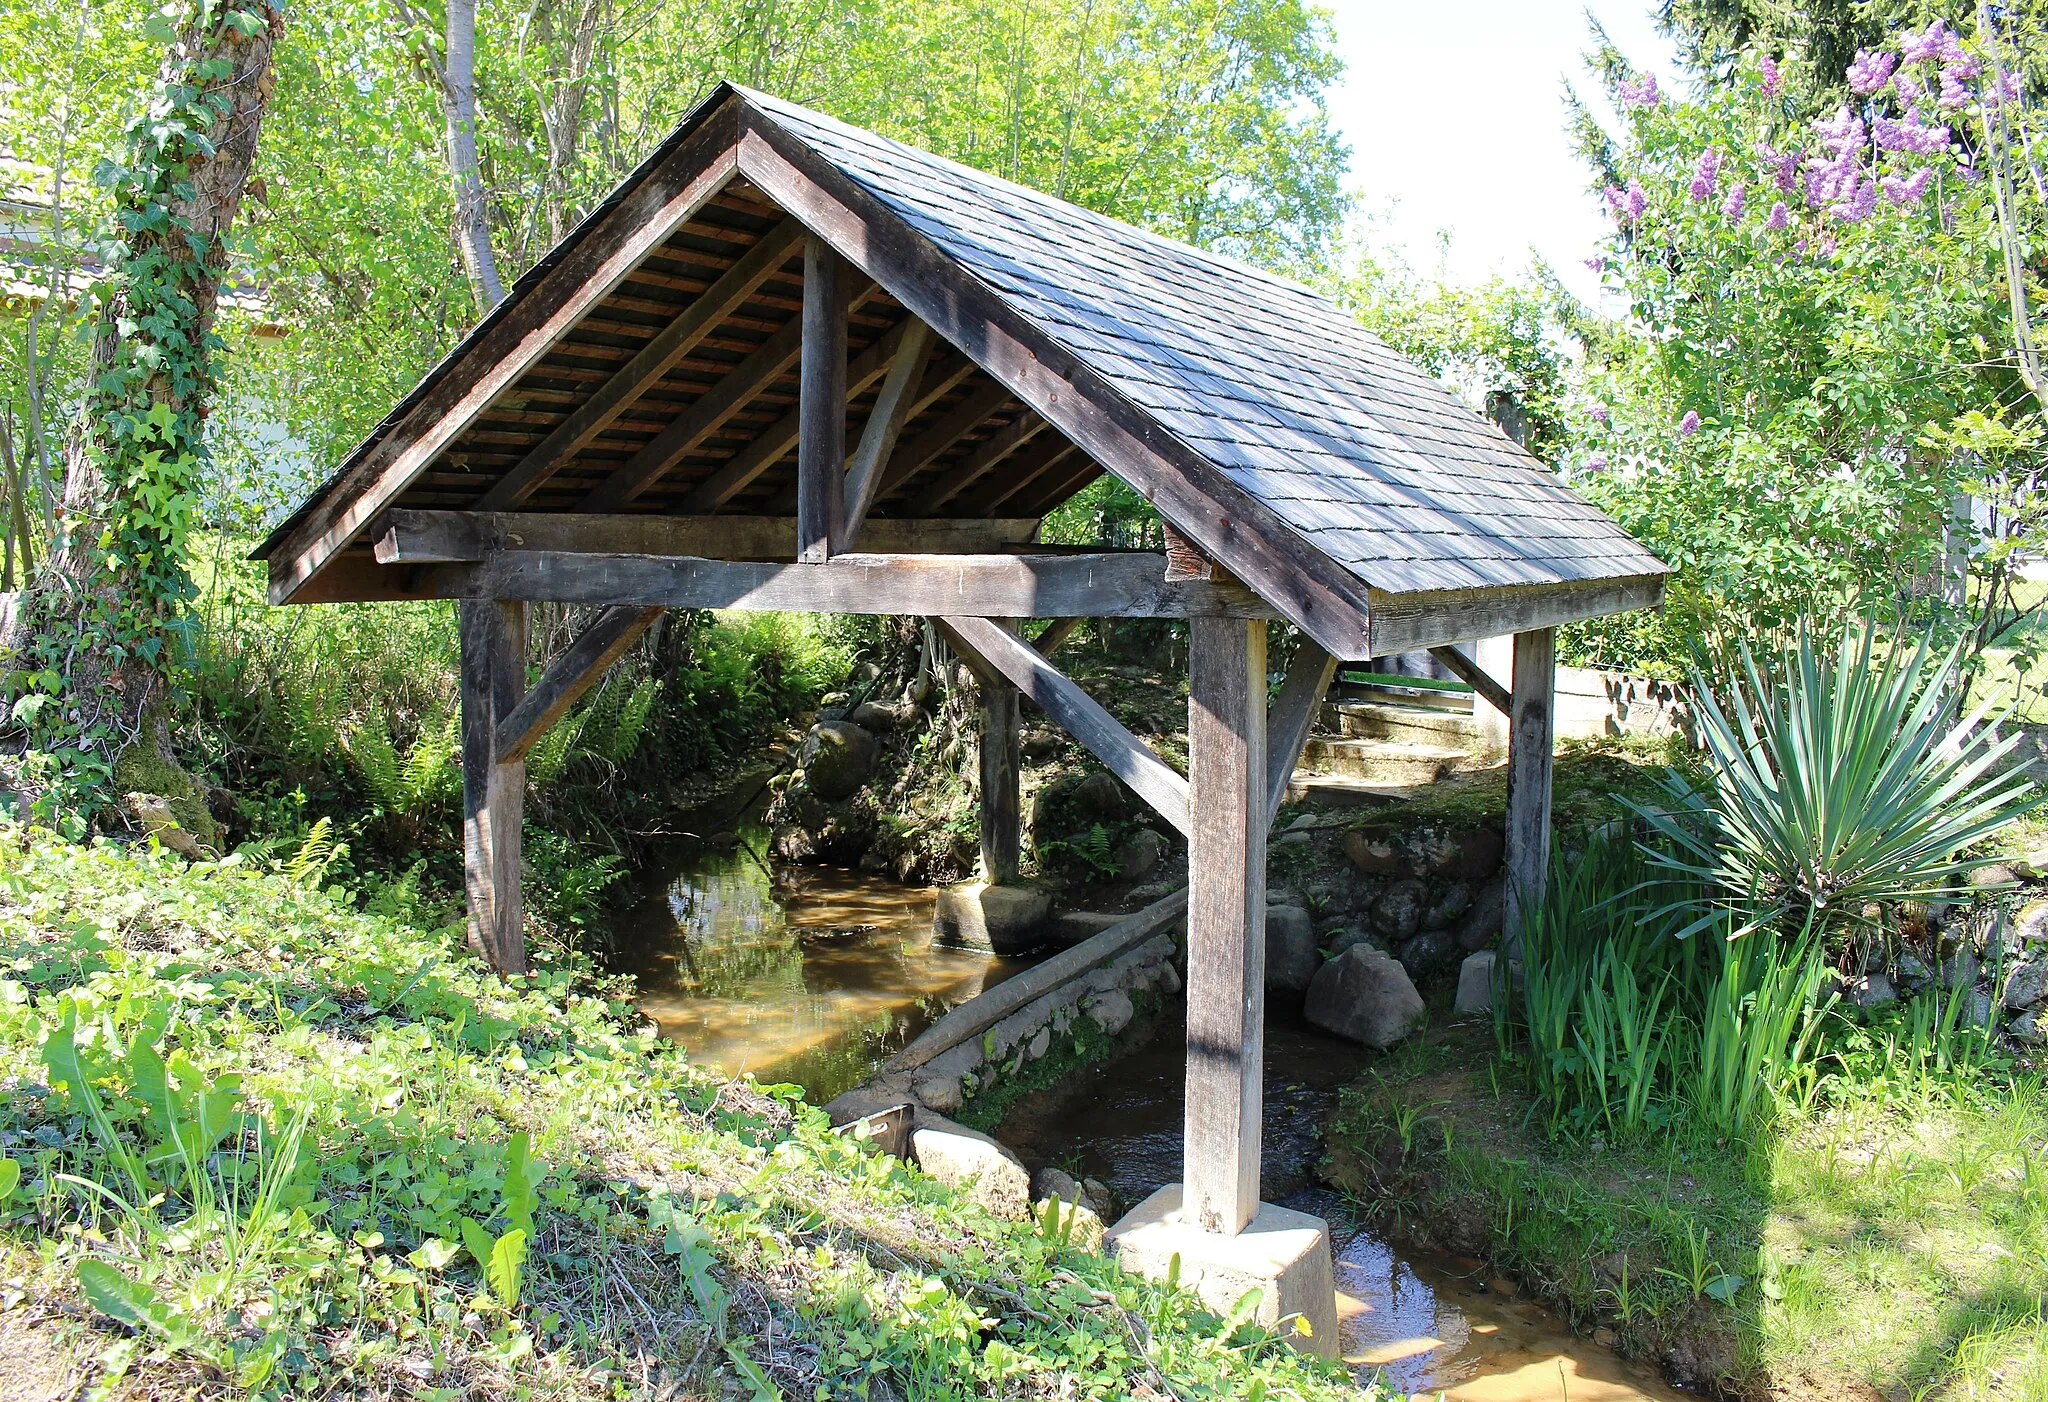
1475,676
440,537
579,667
1226,923
996,649
821,405
1293,715
493,672
1408,622
891,411
1001,797
1531,742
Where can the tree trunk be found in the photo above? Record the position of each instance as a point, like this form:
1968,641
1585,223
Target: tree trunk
458,104
92,639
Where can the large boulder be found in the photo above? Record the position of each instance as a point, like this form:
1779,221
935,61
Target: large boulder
1475,984
1366,996
1397,913
974,1164
1000,919
1291,955
837,758
1483,919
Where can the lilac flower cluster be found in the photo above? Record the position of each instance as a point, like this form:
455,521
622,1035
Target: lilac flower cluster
1690,424
1706,174
1910,134
1628,205
1639,93
1871,71
1772,81
1738,199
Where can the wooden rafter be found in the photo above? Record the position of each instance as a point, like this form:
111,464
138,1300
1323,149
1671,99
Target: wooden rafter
448,537
997,651
1028,466
986,456
893,404
698,319
956,423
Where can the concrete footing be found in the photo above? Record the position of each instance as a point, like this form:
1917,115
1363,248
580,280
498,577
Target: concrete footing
1283,1254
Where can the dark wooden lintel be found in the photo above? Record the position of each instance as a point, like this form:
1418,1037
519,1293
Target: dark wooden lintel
448,537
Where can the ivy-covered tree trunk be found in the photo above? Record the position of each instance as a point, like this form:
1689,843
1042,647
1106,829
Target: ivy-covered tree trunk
91,642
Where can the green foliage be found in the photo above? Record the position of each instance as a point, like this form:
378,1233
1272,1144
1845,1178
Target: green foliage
1838,783
319,1105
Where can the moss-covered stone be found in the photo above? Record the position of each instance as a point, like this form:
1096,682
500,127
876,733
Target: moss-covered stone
148,767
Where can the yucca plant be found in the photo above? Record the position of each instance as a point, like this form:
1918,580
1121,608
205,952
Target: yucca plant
1838,783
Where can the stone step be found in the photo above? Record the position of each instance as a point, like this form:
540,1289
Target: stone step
1403,721
1381,762
1342,791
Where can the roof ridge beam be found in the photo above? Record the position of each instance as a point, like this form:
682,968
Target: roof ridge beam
692,324
998,652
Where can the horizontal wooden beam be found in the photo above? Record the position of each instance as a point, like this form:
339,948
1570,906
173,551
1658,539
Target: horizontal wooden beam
986,586
573,672
991,646
1475,676
444,537
1412,621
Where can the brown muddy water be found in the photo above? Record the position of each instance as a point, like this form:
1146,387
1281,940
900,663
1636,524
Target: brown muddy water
814,976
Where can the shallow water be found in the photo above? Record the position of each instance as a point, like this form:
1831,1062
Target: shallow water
810,976
814,976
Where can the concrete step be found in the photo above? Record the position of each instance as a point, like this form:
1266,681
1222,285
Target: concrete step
1381,762
1343,791
1401,721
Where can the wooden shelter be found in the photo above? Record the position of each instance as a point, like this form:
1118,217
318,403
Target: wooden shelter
790,364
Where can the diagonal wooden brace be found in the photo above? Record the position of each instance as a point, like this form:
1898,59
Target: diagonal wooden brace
1293,715
993,650
573,672
1476,677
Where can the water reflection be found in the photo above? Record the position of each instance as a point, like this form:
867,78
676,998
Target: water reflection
811,975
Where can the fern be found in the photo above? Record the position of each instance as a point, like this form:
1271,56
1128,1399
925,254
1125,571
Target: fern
433,769
623,736
545,760
308,866
377,764
404,784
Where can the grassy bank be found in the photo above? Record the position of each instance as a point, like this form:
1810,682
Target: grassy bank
263,1142
1893,1240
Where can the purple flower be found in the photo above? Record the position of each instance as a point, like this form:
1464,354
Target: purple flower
1845,133
2009,86
1857,203
1912,134
1955,93
1920,48
1600,415
1871,71
1636,201
1780,218
1639,94
1738,199
1690,424
1773,80
1958,59
1827,245
1969,173
1706,174
1907,189
1596,463
1596,265
1784,165
1908,87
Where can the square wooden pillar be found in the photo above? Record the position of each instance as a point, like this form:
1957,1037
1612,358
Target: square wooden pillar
493,795
1001,797
1226,922
1532,738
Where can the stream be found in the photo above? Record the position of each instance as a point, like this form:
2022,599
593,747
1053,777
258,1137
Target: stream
812,976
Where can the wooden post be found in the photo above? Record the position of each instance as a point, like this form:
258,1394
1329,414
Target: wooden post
1531,737
493,794
1001,765
821,405
1226,922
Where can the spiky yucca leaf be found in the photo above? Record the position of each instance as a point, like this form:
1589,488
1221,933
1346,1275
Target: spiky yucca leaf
1838,784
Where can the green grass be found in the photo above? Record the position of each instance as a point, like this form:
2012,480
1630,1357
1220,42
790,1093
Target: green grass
269,1144
1896,1240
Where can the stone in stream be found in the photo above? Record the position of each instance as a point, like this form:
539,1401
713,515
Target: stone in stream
973,1164
1140,854
999,919
1871,991
1365,996
1110,1010
1291,956
836,759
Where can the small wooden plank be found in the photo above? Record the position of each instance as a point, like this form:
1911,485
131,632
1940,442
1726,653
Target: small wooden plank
1226,923
986,586
1078,713
1531,742
887,1130
892,408
698,319
440,537
493,672
1056,633
821,405
1001,797
978,1014
1468,671
1293,715
579,667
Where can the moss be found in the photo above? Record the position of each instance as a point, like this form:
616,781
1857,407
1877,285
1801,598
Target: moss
1084,1044
1591,782
148,766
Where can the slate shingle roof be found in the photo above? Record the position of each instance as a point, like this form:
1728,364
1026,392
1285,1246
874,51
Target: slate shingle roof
1373,462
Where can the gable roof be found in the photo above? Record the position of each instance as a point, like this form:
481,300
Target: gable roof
1295,448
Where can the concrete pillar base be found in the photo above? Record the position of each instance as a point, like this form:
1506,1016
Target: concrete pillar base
1283,1254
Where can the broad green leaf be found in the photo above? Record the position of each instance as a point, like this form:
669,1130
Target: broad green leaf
10,1178
433,1254
505,1268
